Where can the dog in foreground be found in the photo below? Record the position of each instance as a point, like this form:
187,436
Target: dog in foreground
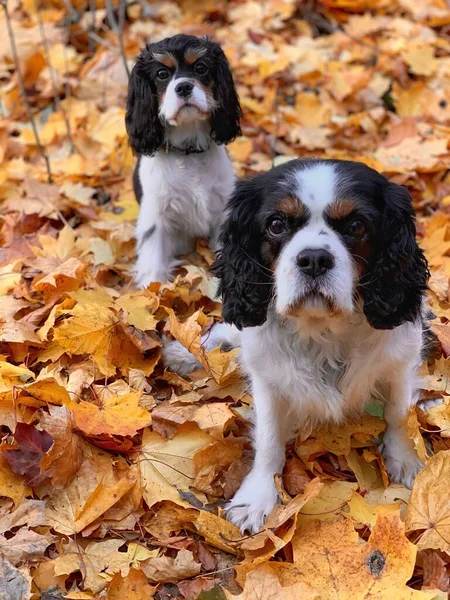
182,109
323,288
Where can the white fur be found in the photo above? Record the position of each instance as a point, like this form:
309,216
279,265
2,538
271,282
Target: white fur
316,187
314,366
184,198
199,103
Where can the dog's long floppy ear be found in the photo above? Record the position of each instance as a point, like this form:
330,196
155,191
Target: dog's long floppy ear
394,285
245,281
225,120
144,128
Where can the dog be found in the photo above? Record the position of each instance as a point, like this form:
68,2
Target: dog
182,110
323,286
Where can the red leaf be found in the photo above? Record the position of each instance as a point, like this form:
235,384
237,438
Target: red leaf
33,444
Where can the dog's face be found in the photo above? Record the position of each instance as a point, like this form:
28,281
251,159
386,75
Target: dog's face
184,84
181,81
312,238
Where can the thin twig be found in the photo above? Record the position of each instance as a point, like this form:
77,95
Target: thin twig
92,8
113,24
52,72
67,89
23,91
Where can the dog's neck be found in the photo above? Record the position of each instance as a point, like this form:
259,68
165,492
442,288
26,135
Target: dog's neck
189,138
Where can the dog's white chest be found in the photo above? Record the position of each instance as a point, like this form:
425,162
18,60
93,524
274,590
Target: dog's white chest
189,191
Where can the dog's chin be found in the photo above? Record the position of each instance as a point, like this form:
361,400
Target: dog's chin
188,113
314,306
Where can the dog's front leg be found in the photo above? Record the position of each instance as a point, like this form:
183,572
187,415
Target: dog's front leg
399,454
257,495
155,255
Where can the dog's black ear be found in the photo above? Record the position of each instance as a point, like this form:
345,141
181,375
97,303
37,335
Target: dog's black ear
144,128
245,281
225,119
396,280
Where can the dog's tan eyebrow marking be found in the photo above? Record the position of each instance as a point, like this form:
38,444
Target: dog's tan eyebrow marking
193,54
166,59
292,207
340,209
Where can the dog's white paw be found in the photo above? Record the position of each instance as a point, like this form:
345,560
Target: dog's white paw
253,502
400,458
177,358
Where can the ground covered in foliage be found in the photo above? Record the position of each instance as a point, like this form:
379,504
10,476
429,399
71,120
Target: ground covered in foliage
113,472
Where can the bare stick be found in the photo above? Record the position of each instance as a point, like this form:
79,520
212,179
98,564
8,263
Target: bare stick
23,91
52,72
113,24
92,7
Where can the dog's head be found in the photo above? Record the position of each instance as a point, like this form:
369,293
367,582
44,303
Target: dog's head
315,239
176,87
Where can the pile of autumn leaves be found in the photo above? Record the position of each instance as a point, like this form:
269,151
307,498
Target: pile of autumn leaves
114,471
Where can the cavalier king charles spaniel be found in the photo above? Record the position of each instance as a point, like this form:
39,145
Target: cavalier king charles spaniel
323,287
182,109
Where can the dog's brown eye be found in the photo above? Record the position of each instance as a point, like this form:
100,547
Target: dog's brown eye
162,74
276,226
201,68
356,229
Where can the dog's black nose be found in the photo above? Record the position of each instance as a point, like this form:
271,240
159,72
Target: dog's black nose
184,89
315,261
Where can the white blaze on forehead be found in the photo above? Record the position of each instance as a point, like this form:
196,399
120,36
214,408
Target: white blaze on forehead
315,186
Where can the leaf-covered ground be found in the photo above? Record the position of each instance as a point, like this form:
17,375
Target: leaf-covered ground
113,472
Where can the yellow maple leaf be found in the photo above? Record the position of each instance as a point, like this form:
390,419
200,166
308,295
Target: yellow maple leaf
117,415
429,506
88,330
329,556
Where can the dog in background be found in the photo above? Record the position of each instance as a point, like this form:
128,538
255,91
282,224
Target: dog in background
182,110
323,287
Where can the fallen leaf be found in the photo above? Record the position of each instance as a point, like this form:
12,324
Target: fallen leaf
353,569
167,466
14,583
65,456
263,584
32,446
118,415
165,569
429,506
132,587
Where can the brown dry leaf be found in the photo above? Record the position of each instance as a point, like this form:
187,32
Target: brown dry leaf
429,506
132,587
26,546
213,418
279,528
14,583
438,380
167,466
67,276
165,569
339,439
413,429
64,458
263,584
220,365
98,562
